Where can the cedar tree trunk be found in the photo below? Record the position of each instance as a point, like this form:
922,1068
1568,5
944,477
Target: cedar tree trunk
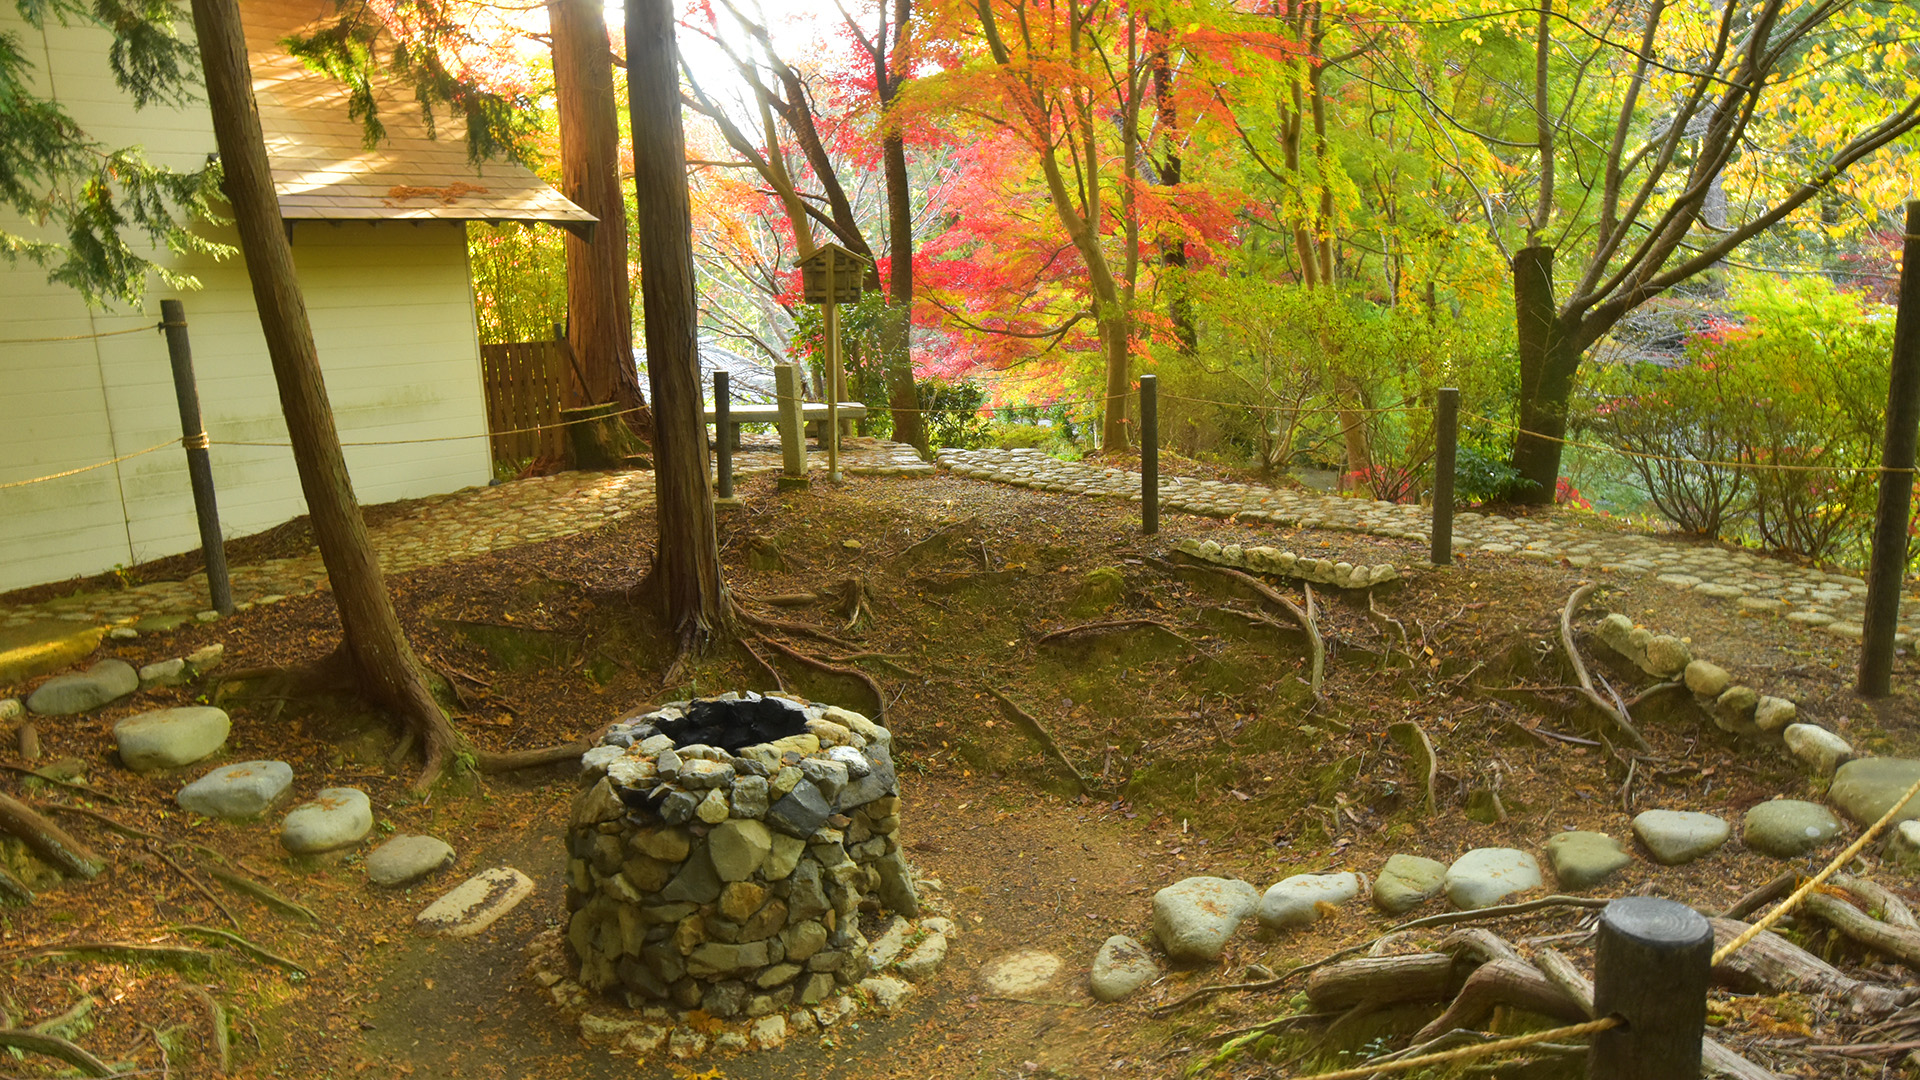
374,648
1549,357
599,306
687,566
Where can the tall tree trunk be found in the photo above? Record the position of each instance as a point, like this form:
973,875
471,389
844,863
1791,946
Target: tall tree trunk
1549,357
1173,246
599,305
686,571
896,334
376,651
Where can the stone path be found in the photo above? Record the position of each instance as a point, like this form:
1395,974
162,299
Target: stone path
473,521
1830,602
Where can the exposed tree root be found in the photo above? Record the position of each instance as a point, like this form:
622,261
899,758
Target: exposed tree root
47,840
761,622
173,955
1107,627
13,891
64,781
1514,983
1560,970
879,698
1771,964
252,949
52,1046
263,893
773,673
195,882
853,602
1616,716
115,824
1782,884
1305,617
1881,901
1483,945
217,1019
1896,941
1046,738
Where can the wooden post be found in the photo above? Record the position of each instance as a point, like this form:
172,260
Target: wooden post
833,372
1887,571
1446,445
173,317
1651,963
793,430
723,440
1149,454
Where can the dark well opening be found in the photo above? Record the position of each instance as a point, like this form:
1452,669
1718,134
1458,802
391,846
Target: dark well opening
731,725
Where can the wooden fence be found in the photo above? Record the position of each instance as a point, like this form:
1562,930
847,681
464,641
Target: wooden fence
524,382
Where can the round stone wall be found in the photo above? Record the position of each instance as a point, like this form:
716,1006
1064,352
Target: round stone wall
722,849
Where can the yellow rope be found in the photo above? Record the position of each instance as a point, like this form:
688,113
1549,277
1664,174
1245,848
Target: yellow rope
80,337
1501,1046
1754,465
1298,410
89,468
447,438
1818,879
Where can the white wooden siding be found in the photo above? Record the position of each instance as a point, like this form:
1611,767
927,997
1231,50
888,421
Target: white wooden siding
392,312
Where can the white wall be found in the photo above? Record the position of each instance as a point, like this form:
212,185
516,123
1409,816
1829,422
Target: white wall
392,312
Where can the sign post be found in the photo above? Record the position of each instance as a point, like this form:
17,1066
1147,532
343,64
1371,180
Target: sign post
830,277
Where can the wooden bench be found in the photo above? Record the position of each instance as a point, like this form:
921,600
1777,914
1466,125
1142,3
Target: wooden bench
813,412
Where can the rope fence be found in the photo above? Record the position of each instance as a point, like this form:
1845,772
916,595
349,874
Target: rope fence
83,337
1752,466
1464,1053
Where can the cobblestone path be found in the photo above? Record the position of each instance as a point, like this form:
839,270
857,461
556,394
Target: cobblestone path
1830,602
473,521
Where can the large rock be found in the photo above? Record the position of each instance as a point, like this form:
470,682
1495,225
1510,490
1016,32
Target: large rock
1788,828
1820,750
66,695
1667,656
1582,860
1679,836
335,818
738,848
165,673
1773,714
170,738
1122,966
1406,882
1303,898
1707,680
801,812
407,858
1903,847
1866,788
1484,877
1193,918
476,903
237,791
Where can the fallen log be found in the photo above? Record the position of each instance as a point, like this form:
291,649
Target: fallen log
1771,964
1381,980
1615,715
1892,910
33,1042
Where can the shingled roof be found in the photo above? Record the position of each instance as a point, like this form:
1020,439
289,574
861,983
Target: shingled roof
323,171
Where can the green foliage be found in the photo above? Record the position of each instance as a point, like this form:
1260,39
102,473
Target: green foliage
519,281
1791,401
498,124
861,355
952,412
91,195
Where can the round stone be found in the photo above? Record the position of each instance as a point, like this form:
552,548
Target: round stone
1122,966
1406,882
1679,836
67,695
1819,749
170,738
1866,788
237,791
335,818
1787,828
1582,860
407,858
1303,898
1484,877
1193,918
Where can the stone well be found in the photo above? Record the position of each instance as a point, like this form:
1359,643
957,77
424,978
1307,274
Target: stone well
723,849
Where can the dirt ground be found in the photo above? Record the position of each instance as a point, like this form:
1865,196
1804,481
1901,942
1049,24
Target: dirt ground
1204,752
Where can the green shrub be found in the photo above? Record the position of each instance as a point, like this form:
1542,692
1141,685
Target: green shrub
1793,397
